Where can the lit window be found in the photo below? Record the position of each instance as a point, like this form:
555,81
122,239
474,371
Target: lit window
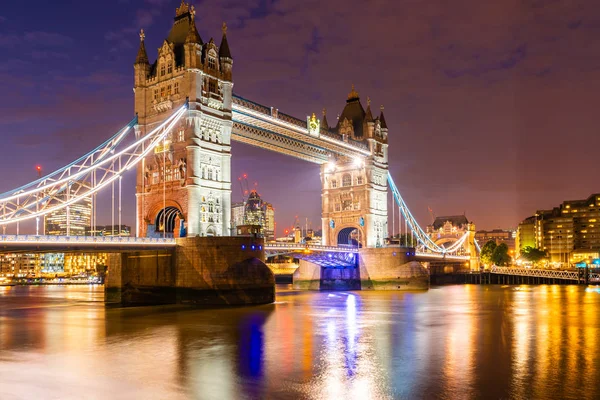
212,86
181,135
155,177
346,180
163,92
176,88
212,64
169,90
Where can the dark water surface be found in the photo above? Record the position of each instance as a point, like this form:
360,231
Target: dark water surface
456,342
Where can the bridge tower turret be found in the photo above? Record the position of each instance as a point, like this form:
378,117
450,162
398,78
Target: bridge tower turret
188,177
471,248
354,191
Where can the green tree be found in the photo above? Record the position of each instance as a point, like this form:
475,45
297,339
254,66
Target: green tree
532,254
500,255
487,251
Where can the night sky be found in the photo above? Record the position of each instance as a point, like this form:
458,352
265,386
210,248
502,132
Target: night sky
492,106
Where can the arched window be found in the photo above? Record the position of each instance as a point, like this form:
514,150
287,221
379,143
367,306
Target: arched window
212,63
347,180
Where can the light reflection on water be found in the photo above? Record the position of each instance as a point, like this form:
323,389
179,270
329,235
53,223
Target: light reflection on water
452,343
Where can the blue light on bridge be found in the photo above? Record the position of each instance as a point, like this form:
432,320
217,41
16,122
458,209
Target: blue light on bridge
253,247
243,247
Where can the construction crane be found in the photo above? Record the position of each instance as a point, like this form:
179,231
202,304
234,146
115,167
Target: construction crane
431,214
245,190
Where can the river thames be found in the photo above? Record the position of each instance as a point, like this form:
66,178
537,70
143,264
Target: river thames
454,342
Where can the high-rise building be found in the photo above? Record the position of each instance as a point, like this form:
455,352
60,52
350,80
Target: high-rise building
568,233
73,220
255,212
525,235
269,221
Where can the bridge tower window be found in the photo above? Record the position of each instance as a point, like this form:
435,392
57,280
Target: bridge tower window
333,183
359,180
338,207
176,88
181,135
162,70
347,180
170,68
212,64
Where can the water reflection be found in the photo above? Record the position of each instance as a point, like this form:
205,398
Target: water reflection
452,342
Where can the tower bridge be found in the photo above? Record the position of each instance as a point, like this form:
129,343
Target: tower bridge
179,144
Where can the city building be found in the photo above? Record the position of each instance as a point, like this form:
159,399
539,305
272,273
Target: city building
525,235
507,237
569,233
74,220
237,214
109,230
20,265
254,212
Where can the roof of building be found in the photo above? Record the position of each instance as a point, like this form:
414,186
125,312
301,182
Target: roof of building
142,56
224,51
455,220
353,112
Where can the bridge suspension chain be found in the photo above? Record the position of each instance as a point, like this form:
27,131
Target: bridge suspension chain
421,236
73,182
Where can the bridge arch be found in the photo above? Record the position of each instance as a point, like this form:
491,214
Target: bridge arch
165,220
350,236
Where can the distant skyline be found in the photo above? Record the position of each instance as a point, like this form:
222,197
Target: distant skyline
491,106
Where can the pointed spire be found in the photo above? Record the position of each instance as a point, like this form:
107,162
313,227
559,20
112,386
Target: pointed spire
369,114
353,95
224,47
142,56
193,36
324,123
382,119
182,9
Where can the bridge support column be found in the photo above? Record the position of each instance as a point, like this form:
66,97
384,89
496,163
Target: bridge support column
200,270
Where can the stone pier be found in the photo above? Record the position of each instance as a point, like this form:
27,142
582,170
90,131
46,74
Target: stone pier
199,270
376,269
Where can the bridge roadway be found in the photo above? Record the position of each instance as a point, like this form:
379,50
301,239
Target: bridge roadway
39,243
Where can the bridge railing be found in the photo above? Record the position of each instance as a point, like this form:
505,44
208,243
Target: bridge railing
313,247
442,256
51,239
538,273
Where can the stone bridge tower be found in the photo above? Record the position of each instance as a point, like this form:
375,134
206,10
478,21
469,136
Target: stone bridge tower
186,181
354,191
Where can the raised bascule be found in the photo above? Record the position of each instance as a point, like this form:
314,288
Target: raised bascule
180,145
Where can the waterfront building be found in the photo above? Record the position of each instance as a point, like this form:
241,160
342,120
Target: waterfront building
506,236
526,236
20,265
446,230
568,233
79,216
